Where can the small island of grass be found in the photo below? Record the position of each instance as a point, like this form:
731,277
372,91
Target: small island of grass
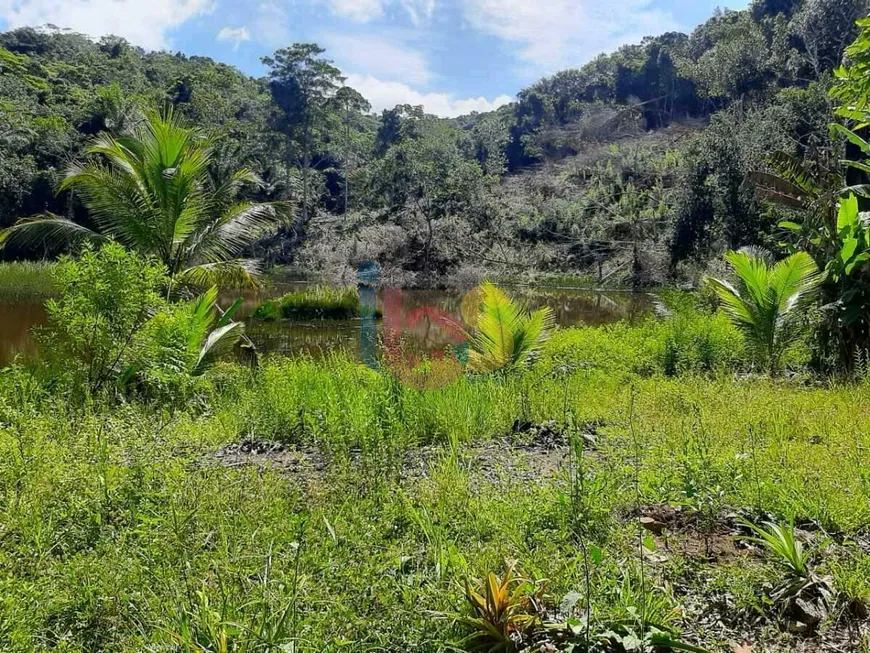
317,303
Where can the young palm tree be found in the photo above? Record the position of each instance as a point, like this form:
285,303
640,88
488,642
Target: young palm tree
153,194
769,301
506,337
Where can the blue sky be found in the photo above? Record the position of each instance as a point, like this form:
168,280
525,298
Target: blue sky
452,56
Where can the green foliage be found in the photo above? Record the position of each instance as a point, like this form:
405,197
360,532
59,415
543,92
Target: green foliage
110,327
688,340
179,344
770,302
131,526
104,300
691,338
505,337
153,193
418,194
801,587
780,540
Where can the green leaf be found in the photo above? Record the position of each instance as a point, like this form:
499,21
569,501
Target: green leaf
847,216
228,314
857,261
791,226
852,137
596,554
848,249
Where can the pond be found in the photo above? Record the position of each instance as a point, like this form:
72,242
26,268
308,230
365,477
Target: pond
416,314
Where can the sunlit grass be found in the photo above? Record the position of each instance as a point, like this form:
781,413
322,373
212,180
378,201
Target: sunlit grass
121,530
316,303
23,280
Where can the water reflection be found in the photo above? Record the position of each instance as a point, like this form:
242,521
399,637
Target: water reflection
415,314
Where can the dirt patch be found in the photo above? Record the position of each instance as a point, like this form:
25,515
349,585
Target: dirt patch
539,456
680,531
307,461
528,462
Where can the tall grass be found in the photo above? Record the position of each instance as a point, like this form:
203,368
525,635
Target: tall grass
317,303
25,280
120,529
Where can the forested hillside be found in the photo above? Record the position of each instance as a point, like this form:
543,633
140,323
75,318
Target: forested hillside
632,168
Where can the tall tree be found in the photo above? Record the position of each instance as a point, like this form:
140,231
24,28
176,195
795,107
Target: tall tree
350,104
303,86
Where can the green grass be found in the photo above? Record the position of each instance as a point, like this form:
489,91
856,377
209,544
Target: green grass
24,280
121,530
317,303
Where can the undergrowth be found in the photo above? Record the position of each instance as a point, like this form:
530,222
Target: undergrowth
122,529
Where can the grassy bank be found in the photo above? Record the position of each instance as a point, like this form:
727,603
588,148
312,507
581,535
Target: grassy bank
23,280
325,504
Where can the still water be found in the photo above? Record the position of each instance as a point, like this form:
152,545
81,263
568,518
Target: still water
419,315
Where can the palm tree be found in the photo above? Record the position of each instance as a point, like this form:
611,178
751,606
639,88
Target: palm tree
505,337
152,193
769,301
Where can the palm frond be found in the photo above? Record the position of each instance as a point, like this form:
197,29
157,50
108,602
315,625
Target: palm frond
238,273
768,303
47,229
793,170
219,342
505,336
153,193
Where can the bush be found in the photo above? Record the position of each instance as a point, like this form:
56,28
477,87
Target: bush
178,345
111,326
693,338
106,297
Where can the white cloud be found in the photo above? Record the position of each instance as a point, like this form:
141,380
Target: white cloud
377,57
557,34
234,35
142,22
419,10
359,10
385,95
271,25
364,11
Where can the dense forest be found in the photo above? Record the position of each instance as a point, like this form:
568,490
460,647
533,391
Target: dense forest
632,168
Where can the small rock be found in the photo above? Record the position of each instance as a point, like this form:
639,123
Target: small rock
653,526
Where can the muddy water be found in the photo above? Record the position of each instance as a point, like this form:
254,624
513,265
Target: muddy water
420,316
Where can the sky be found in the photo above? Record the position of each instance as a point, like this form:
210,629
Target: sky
451,56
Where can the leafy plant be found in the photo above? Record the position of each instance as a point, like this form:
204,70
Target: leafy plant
154,194
505,337
505,611
801,591
319,302
784,544
184,341
769,302
640,621
105,299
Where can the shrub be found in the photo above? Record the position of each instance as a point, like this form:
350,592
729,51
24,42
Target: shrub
112,326
692,338
179,344
106,297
